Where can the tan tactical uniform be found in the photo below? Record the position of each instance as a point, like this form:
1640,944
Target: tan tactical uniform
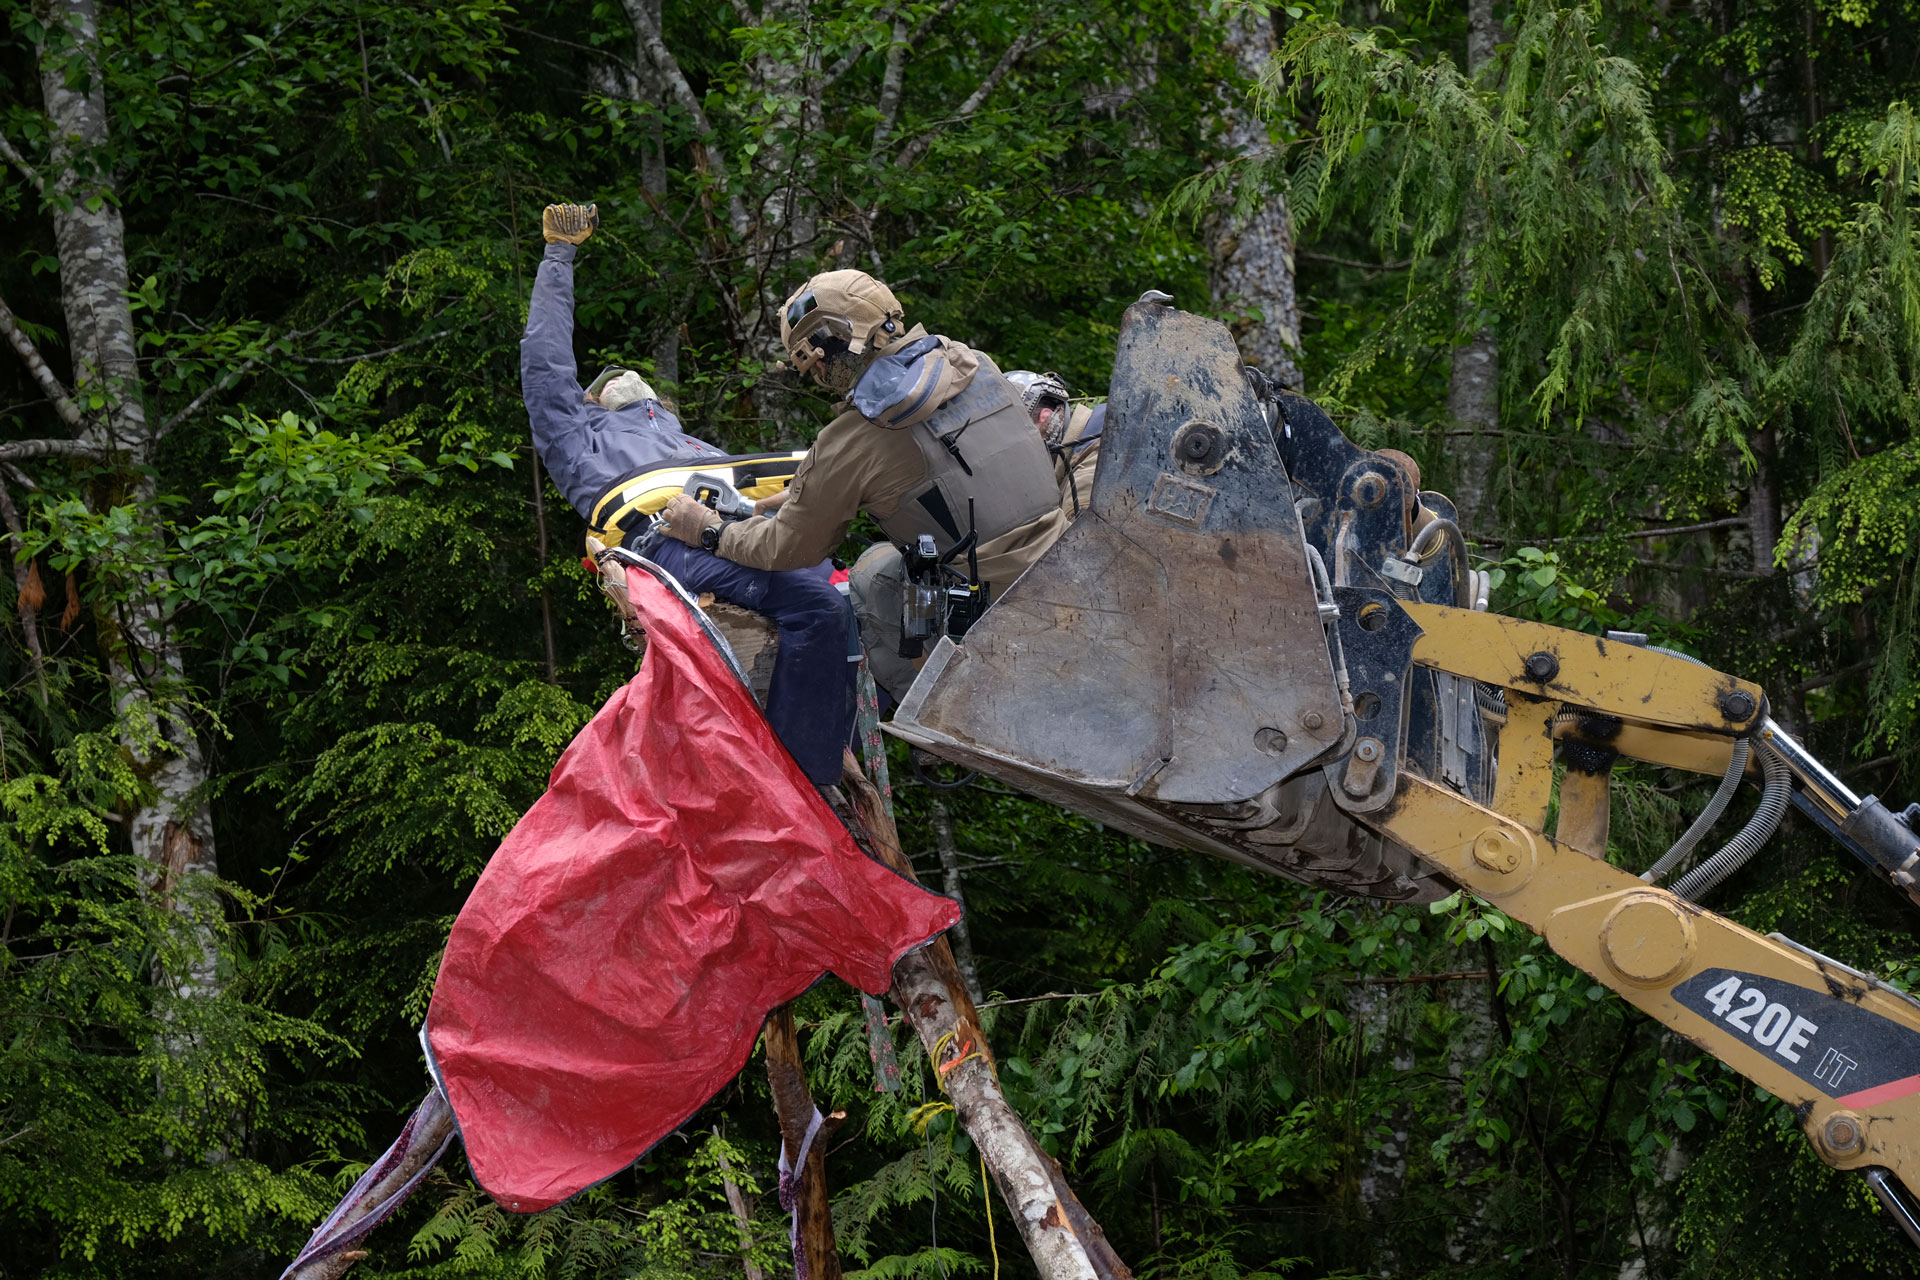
959,434
1074,461
912,484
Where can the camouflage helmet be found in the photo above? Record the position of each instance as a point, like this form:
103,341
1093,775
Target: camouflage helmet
839,311
1041,391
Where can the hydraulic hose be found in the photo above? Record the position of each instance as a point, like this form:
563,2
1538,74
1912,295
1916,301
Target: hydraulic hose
1759,829
1438,528
1329,611
1736,769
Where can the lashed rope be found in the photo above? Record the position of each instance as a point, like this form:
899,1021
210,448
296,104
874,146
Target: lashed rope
790,1192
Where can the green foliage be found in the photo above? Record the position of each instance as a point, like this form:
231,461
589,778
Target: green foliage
1700,298
684,1231
97,1097
1689,235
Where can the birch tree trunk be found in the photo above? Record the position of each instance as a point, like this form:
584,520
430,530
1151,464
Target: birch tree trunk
783,219
1473,385
1650,1242
1383,1173
1064,1240
788,224
1252,259
171,829
953,884
641,83
1474,1041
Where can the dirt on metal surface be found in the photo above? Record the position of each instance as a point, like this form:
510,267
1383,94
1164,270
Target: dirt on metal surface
1163,668
1175,622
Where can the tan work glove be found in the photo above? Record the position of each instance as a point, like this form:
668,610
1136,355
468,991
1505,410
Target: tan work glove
684,519
572,223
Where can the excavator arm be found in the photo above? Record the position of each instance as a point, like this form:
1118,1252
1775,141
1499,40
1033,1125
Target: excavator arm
1836,1045
1265,642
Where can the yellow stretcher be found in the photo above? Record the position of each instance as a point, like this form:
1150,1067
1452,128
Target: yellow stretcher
629,509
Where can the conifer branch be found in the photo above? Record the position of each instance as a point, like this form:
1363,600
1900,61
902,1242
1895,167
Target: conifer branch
246,366
63,402
903,42
27,171
20,450
912,152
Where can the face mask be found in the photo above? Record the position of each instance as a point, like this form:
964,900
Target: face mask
839,371
1059,414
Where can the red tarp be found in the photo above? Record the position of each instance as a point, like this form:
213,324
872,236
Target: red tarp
614,964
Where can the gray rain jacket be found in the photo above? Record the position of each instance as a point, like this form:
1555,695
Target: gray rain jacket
588,450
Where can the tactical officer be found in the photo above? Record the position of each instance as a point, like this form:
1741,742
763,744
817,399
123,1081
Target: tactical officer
593,442
929,432
1071,429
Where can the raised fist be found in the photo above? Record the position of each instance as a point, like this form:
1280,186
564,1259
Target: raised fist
572,223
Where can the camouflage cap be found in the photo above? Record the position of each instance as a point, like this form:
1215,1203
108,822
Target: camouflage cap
852,305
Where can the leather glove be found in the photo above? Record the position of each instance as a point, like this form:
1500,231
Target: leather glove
572,223
684,518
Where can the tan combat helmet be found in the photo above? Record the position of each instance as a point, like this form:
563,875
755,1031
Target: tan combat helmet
839,311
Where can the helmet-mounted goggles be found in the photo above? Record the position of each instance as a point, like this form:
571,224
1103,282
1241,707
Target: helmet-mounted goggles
814,335
1039,391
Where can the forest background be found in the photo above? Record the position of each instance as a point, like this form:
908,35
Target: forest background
300,628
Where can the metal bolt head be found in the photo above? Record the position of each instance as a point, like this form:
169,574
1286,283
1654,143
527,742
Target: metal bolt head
1363,768
1369,489
1312,720
1542,666
1737,704
1495,849
1199,447
1843,1135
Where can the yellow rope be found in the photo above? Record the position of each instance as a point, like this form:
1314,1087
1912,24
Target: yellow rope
986,1202
921,1116
942,1067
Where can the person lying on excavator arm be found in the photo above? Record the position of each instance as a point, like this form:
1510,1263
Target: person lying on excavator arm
1071,430
930,438
593,442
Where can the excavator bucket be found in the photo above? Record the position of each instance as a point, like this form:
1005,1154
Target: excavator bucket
1165,668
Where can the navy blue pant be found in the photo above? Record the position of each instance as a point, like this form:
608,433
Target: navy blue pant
810,702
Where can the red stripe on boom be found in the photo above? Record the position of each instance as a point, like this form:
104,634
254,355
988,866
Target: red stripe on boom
1881,1093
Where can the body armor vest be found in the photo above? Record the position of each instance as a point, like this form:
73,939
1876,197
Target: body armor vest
979,445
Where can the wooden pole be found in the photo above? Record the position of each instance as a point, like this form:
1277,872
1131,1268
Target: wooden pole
817,1256
737,1203
435,1127
1065,1241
